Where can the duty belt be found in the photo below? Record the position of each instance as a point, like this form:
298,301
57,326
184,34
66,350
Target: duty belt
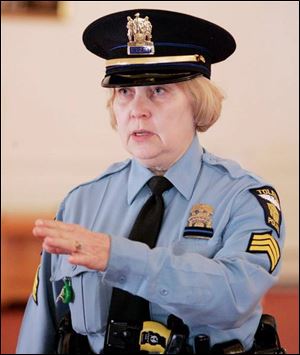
153,337
150,337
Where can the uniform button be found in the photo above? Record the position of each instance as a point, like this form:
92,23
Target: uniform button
122,279
164,292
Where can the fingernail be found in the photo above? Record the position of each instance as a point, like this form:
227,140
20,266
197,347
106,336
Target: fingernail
39,222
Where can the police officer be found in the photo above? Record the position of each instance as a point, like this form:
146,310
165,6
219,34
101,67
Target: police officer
217,249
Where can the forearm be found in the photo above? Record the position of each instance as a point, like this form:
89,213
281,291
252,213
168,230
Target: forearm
189,285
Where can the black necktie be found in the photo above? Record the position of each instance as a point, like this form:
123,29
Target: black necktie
124,306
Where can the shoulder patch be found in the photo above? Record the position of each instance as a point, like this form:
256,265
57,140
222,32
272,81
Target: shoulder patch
267,244
36,285
269,201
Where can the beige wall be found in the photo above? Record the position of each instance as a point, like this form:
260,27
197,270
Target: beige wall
55,130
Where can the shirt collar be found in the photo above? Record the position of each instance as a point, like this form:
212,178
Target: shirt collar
182,174
138,177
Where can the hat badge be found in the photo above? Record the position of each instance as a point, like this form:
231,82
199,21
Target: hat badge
139,36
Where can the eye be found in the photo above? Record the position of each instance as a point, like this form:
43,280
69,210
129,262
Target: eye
123,91
159,90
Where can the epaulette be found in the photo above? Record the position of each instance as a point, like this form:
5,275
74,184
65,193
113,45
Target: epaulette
112,169
232,167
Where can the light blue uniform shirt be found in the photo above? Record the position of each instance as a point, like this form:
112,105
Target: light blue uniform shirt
217,254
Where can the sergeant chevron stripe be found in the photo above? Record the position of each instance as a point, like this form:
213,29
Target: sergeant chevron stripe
265,243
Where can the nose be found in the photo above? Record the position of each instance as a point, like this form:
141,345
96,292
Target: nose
140,107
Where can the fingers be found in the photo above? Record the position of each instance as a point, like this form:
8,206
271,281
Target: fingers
58,237
44,232
59,245
54,224
54,229
53,250
87,248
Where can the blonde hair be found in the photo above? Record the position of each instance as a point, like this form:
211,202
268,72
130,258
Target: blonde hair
206,100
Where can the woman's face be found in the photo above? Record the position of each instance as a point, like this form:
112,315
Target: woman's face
155,123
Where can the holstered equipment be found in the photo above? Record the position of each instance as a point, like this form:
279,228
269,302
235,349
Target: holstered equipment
152,337
266,341
156,338
70,342
123,338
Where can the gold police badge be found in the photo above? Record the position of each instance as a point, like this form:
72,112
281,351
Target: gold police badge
200,222
200,216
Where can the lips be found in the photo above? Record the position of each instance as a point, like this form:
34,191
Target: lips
141,133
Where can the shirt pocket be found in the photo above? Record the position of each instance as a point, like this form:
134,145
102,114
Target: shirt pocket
196,244
89,307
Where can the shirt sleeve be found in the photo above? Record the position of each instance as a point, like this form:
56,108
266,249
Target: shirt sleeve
221,291
38,332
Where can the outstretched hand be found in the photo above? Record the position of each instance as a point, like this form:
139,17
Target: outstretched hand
85,247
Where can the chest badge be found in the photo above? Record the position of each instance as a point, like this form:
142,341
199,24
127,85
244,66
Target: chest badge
199,224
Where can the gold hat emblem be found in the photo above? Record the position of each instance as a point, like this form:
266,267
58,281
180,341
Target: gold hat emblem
139,36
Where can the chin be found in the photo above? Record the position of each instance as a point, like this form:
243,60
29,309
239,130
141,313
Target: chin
144,153
148,160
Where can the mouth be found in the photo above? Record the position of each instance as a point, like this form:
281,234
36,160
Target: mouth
141,135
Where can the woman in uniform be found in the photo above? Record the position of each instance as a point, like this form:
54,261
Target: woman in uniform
170,251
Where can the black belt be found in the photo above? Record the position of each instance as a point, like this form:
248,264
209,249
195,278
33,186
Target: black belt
124,338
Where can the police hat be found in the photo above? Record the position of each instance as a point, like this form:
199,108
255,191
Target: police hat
149,47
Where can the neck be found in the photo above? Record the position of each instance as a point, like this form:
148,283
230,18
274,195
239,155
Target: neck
163,165
158,171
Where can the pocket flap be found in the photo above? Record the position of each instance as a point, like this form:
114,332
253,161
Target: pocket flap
63,268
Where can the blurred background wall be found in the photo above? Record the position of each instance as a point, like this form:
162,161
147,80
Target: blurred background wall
56,132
